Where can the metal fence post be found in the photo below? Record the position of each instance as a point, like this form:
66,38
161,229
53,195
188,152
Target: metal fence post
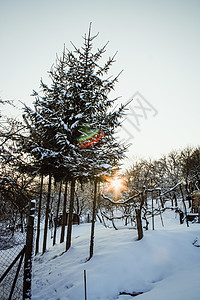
29,253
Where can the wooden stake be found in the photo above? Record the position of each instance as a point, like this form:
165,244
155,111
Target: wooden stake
85,285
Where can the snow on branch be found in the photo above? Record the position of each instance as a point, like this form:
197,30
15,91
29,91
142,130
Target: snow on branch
170,190
122,202
132,198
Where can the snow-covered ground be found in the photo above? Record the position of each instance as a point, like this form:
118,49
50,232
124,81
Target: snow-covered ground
164,265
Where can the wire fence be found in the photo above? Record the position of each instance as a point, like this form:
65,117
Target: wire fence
12,243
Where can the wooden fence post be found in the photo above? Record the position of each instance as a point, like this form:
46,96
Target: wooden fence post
29,253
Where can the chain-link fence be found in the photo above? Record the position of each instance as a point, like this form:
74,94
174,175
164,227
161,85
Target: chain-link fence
12,242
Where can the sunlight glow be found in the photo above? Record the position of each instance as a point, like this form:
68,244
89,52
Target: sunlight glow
116,185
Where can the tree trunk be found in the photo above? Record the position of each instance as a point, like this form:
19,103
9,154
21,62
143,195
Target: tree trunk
57,212
172,202
64,214
185,208
70,216
161,200
93,219
47,216
39,217
139,224
152,211
175,200
22,222
139,218
104,223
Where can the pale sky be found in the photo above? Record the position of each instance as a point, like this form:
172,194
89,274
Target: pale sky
158,44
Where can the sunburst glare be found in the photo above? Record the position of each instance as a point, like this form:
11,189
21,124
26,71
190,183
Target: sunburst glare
116,185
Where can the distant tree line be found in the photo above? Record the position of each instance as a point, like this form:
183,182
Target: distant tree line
169,181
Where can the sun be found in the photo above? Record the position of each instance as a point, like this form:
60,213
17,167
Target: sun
116,185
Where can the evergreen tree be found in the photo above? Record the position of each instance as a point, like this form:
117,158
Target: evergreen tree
78,97
75,105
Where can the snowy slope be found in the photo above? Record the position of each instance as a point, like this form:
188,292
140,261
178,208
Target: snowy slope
163,265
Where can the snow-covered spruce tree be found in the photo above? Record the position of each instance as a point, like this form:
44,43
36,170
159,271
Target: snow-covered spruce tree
76,99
